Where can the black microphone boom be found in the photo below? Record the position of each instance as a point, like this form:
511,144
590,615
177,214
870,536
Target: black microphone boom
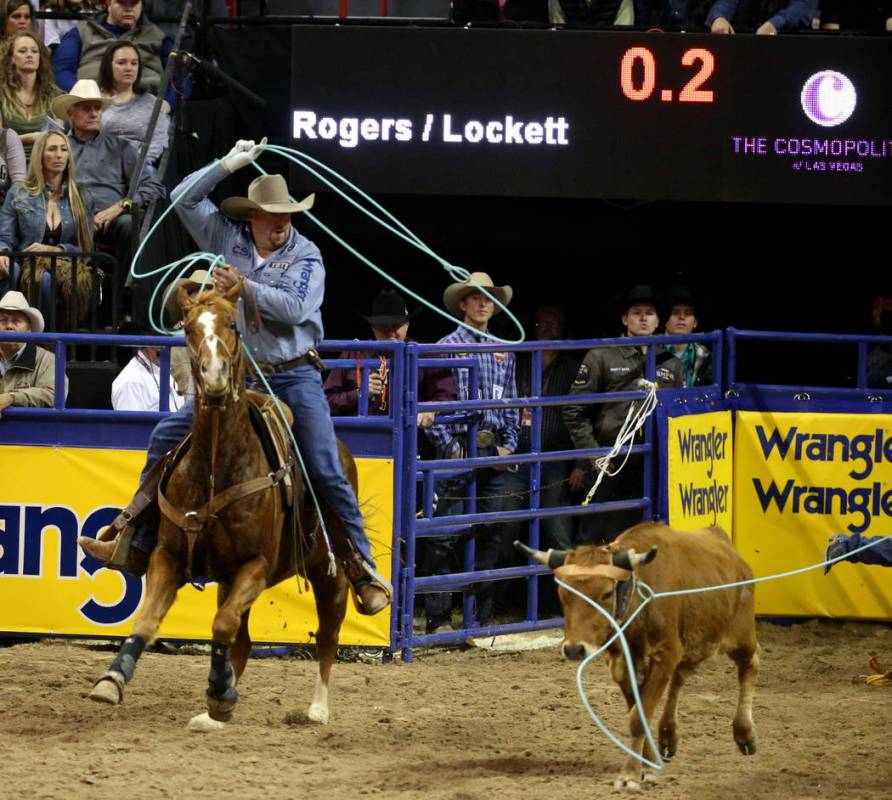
212,71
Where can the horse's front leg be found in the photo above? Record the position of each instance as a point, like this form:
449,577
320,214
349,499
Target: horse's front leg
249,582
331,605
162,581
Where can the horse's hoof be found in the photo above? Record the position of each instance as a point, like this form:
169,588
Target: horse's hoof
106,690
318,713
220,710
202,723
627,784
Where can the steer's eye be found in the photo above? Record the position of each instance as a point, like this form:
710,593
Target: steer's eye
607,595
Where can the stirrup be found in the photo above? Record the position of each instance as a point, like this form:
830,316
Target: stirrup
373,580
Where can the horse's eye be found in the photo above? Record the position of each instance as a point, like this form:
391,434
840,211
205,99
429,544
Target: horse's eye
188,330
607,595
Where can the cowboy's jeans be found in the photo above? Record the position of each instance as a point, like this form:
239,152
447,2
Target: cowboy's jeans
301,390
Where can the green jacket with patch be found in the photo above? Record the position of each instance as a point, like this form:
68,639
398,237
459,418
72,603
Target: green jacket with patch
32,379
612,369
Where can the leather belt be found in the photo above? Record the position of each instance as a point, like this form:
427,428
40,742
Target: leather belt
310,357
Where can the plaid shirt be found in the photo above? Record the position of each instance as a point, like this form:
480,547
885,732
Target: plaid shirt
495,381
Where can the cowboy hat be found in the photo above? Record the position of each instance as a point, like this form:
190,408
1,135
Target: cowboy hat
266,193
389,308
639,295
198,278
15,301
476,281
83,91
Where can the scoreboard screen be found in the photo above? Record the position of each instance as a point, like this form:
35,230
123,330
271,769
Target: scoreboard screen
577,114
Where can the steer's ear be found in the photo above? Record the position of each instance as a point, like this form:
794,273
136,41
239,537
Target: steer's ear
629,559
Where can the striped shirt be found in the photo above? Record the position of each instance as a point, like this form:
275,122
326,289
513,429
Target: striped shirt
495,381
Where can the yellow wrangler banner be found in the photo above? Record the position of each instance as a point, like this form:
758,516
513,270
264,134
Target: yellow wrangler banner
49,496
800,478
701,468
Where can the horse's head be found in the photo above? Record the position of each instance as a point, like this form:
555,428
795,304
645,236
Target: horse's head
209,322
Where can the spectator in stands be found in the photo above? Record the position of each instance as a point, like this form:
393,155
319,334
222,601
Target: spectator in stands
128,117
389,321
617,369
497,434
13,164
16,17
55,29
878,555
49,213
559,367
873,15
696,360
624,12
138,386
27,372
26,87
80,52
768,17
105,164
879,358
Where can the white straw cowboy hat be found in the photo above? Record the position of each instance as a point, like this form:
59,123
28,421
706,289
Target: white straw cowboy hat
15,301
457,292
266,193
193,283
83,91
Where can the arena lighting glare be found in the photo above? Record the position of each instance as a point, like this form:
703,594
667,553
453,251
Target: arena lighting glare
828,98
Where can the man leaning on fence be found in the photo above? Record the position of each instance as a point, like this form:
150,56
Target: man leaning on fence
27,372
497,434
617,369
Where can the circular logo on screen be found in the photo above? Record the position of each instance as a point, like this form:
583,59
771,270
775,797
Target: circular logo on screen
828,98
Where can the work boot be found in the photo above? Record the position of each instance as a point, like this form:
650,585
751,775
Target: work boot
116,553
371,597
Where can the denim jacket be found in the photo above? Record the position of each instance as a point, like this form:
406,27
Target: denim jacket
23,219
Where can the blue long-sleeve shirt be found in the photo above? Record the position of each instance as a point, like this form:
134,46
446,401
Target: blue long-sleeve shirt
286,289
67,58
496,380
796,14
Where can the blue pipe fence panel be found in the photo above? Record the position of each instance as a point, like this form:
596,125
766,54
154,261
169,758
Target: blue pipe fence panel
393,433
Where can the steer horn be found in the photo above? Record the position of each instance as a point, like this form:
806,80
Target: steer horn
629,559
552,559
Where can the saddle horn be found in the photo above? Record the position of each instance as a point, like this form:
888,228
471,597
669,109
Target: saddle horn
629,559
552,559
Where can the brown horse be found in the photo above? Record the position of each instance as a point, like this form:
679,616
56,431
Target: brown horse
222,517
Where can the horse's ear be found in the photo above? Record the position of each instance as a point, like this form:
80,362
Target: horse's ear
184,299
234,292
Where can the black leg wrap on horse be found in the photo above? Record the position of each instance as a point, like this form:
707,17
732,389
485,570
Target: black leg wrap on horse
221,679
125,662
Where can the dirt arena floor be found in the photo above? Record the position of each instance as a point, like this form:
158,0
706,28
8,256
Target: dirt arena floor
454,724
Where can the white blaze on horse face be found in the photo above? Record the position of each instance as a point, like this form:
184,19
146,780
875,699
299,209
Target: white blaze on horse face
212,366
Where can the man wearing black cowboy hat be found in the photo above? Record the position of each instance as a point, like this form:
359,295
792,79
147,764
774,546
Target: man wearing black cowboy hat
390,323
696,360
617,369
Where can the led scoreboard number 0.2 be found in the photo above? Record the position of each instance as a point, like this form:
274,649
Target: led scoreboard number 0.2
638,76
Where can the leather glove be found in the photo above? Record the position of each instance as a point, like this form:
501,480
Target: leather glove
242,154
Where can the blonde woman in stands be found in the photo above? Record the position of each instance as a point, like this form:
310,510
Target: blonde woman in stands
128,117
26,87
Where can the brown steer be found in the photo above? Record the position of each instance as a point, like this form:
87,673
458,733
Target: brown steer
672,635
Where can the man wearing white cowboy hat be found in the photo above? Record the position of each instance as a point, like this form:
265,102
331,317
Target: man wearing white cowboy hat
105,165
280,320
497,434
27,372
